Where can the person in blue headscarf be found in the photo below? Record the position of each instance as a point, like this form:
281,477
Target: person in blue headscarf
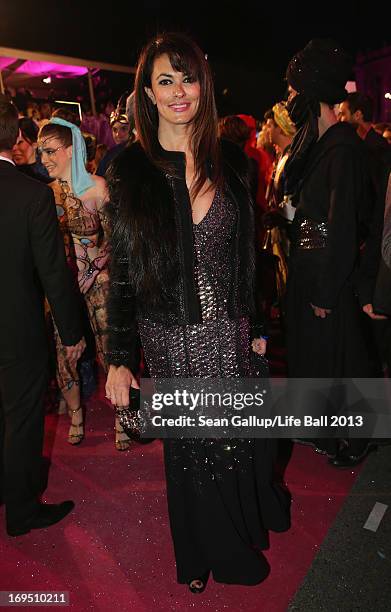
81,201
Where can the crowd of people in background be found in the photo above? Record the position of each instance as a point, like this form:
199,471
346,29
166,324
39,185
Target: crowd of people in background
266,142
83,232
113,127
317,170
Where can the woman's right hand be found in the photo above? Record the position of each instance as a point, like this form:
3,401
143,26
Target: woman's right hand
118,383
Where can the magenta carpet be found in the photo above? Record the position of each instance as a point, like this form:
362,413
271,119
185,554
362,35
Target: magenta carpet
114,551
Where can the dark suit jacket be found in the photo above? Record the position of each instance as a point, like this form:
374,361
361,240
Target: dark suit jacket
380,147
32,264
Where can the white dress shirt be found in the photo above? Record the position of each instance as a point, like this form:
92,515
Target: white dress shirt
7,159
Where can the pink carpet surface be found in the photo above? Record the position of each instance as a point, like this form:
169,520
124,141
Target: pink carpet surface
114,551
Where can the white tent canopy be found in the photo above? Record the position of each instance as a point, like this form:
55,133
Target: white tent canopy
19,67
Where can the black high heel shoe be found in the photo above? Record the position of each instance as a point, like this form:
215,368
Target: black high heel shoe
202,582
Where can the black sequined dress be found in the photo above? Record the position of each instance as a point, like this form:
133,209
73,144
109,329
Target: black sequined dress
221,496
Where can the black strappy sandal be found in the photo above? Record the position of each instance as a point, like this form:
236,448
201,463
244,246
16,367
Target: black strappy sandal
75,439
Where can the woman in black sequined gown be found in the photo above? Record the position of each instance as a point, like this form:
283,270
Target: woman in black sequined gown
182,275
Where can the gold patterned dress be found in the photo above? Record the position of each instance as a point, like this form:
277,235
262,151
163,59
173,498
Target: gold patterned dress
84,229
275,240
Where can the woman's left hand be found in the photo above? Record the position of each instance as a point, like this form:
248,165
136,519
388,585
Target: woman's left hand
259,346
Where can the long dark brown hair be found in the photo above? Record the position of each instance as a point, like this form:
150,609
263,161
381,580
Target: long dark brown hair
185,56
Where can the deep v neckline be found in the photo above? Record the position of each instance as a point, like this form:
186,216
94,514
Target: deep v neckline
207,212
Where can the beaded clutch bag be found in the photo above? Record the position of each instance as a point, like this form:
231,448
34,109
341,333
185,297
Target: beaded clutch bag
129,416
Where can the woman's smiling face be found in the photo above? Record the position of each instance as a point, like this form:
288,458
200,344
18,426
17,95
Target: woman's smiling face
175,94
56,157
23,151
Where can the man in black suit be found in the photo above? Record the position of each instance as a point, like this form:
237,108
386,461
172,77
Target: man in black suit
32,265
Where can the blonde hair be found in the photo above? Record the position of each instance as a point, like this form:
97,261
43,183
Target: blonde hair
282,119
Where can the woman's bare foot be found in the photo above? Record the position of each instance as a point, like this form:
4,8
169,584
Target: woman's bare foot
62,406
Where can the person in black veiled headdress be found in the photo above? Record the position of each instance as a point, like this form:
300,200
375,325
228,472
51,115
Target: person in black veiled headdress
327,181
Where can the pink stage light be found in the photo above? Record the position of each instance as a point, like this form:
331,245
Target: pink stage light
6,61
45,68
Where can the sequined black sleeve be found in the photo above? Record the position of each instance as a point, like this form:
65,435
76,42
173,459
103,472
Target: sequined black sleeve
258,324
250,272
122,329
